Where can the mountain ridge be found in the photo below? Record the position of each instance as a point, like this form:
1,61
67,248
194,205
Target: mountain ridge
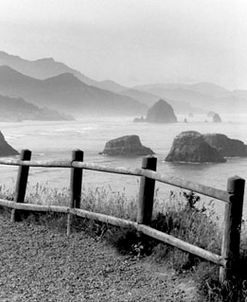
41,68
196,98
202,95
17,110
67,93
109,85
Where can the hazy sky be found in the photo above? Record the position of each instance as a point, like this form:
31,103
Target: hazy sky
133,41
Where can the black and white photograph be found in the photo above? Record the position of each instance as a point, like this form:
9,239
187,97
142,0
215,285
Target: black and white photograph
123,150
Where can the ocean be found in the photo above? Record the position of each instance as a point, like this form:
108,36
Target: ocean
56,140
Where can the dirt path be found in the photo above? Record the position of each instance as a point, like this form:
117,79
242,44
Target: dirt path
40,264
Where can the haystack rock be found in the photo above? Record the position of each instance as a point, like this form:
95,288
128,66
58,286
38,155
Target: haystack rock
215,117
161,112
226,146
190,146
129,145
5,148
210,114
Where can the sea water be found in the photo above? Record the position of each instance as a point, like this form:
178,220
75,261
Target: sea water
56,140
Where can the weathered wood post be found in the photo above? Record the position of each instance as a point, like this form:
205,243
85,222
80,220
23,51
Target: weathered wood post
232,228
21,182
75,186
146,193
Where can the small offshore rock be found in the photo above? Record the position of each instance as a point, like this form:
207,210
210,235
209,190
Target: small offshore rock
139,120
128,145
215,117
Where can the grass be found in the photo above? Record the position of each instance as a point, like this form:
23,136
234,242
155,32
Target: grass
183,215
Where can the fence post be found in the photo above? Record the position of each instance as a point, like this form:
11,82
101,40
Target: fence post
146,193
21,182
232,228
75,186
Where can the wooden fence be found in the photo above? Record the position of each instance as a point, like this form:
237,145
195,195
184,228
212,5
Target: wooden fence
232,197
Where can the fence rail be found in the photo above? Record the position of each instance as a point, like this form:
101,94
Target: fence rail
170,180
232,197
171,240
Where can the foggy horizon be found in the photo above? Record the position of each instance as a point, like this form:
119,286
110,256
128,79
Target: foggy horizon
134,137
133,43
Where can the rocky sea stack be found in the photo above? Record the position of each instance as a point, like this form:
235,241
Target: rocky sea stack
128,145
226,146
214,117
191,146
161,112
139,119
5,148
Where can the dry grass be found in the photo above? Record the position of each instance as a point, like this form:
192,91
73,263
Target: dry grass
183,215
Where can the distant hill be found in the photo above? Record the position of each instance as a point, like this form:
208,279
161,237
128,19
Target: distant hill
66,93
209,89
204,88
146,97
185,98
149,99
206,96
182,100
110,85
141,96
42,68
48,67
17,109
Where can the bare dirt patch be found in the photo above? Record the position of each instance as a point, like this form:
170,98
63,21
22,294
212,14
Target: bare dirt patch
41,264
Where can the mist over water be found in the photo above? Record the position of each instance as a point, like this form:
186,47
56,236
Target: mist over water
56,140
